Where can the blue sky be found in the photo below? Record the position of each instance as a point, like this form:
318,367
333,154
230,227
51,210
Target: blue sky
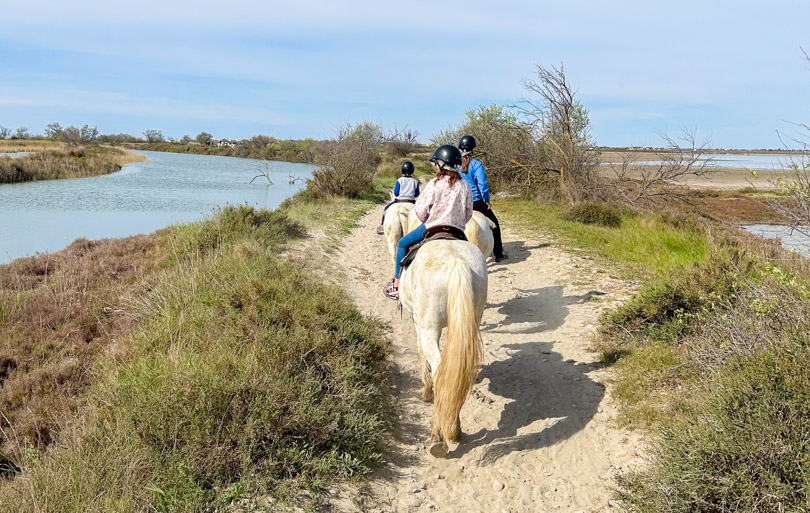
733,70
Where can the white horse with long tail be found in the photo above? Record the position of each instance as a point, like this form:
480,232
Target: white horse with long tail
446,286
478,231
396,224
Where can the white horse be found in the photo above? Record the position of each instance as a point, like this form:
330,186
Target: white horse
395,225
446,286
478,230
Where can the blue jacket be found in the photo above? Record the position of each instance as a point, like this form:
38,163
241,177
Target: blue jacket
477,178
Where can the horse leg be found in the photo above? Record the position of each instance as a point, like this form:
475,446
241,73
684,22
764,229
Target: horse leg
427,381
428,340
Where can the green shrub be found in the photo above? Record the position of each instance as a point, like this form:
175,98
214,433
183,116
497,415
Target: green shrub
664,309
745,450
268,228
348,163
660,311
247,377
594,213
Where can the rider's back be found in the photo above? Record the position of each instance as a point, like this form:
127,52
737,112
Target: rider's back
445,203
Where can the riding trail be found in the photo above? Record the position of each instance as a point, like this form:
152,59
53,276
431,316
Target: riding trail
539,430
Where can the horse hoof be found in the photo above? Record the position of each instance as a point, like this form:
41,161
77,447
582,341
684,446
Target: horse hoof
438,449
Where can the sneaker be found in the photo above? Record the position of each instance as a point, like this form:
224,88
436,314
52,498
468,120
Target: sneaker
380,230
391,292
502,257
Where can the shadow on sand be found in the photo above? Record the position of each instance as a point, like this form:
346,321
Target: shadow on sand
541,386
518,251
536,382
539,310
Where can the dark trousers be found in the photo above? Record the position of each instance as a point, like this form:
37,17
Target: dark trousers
481,206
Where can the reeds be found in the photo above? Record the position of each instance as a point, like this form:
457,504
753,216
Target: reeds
78,162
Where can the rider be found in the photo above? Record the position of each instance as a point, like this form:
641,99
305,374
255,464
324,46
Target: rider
406,190
446,201
473,172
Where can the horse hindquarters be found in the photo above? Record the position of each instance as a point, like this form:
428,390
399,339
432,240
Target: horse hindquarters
462,355
479,232
393,226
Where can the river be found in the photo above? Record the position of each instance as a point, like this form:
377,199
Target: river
773,161
38,217
793,240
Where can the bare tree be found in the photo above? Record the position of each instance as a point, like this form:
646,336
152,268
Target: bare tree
53,131
348,163
795,187
683,157
514,159
5,133
539,144
264,171
154,136
21,133
88,134
555,117
402,142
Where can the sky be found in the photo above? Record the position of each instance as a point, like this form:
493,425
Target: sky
732,70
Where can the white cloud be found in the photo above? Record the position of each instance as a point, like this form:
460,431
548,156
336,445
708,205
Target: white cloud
125,104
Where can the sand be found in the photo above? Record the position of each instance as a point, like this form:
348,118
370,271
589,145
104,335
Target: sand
539,429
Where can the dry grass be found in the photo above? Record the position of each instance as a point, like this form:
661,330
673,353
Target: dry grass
75,162
240,375
127,157
15,145
58,313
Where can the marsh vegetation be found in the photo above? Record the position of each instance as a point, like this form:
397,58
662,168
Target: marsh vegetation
185,370
51,161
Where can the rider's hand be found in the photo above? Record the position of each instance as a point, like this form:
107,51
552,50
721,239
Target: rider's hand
489,206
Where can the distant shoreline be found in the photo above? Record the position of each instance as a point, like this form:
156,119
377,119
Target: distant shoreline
48,160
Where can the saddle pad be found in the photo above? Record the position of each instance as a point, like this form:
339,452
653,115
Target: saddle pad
430,236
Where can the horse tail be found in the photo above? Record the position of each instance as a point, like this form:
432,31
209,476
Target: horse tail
463,354
472,231
404,216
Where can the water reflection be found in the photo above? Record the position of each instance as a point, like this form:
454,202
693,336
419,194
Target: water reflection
742,161
144,196
791,239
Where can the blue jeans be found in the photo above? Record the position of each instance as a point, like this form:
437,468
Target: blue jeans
409,239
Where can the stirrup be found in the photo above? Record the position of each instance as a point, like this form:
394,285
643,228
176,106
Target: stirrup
391,292
380,230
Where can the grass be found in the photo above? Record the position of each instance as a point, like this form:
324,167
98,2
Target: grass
643,245
58,313
710,356
242,379
595,213
66,162
15,145
258,147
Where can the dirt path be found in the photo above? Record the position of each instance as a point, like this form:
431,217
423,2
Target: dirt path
538,430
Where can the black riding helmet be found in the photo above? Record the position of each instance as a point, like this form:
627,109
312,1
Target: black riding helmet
467,143
449,154
407,168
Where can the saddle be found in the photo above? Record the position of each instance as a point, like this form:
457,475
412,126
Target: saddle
431,234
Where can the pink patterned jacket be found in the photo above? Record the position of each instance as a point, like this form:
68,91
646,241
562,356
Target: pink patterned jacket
444,204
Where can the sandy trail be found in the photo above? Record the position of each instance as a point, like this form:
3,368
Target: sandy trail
538,430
